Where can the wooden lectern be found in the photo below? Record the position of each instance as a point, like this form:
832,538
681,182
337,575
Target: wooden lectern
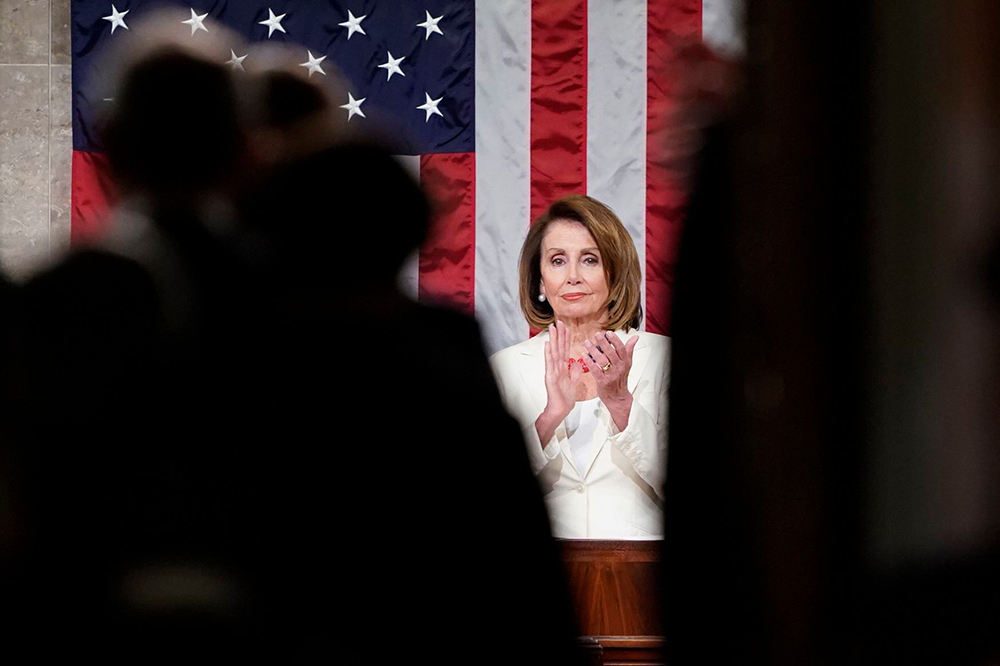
614,589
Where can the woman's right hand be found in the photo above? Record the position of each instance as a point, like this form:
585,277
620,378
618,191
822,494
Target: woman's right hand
562,379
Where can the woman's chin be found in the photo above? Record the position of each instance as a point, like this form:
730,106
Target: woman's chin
577,312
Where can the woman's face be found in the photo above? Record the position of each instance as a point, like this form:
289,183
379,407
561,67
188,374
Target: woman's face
573,279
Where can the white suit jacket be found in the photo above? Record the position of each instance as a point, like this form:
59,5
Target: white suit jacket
619,494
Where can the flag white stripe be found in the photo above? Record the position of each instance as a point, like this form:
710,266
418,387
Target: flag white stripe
409,274
503,107
616,113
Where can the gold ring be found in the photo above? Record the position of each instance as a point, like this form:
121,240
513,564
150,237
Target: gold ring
605,368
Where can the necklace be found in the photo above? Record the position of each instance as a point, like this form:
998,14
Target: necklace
580,361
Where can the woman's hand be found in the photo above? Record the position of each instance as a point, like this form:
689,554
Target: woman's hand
562,379
611,363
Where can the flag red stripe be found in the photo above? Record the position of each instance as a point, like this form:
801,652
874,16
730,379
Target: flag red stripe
671,23
447,271
93,194
558,101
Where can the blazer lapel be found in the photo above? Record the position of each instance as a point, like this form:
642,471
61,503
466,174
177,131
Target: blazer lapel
532,367
640,355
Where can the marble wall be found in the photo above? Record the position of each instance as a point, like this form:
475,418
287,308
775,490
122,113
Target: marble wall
36,132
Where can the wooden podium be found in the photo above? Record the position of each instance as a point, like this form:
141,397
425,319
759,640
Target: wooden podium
614,589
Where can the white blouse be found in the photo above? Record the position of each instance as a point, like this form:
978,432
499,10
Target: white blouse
580,426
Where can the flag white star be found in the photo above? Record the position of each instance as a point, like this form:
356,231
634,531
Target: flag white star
236,62
117,19
314,64
430,25
431,106
353,24
196,22
353,106
392,66
273,23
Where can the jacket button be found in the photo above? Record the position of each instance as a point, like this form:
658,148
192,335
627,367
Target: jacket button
580,488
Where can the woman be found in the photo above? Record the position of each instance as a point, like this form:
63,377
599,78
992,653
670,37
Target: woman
590,391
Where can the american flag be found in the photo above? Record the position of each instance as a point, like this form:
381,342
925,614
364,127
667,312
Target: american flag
505,106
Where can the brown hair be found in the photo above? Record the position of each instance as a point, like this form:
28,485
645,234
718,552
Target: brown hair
618,257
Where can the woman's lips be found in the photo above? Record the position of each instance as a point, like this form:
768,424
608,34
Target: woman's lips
573,297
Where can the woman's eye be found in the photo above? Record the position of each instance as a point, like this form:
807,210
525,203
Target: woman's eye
590,261
557,261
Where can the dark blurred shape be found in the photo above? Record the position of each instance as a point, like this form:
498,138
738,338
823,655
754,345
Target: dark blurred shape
417,510
833,455
11,353
162,141
143,342
287,101
355,205
263,447
711,575
288,113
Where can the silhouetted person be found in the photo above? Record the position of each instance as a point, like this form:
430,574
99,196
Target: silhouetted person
11,378
408,486
145,342
273,450
709,581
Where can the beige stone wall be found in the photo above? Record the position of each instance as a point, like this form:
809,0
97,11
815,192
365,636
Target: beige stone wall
36,132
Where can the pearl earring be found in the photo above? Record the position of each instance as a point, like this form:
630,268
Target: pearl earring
541,298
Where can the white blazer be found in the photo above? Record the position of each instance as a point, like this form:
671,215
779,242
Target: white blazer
620,493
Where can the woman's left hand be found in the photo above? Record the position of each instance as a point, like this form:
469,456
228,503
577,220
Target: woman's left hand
611,362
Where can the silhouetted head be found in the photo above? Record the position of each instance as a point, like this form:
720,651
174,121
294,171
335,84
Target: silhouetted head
174,131
351,212
289,116
289,99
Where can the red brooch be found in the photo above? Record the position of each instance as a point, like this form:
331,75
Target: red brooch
580,361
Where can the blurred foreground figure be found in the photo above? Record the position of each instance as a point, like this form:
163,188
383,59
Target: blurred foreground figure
414,514
143,484
834,467
264,448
